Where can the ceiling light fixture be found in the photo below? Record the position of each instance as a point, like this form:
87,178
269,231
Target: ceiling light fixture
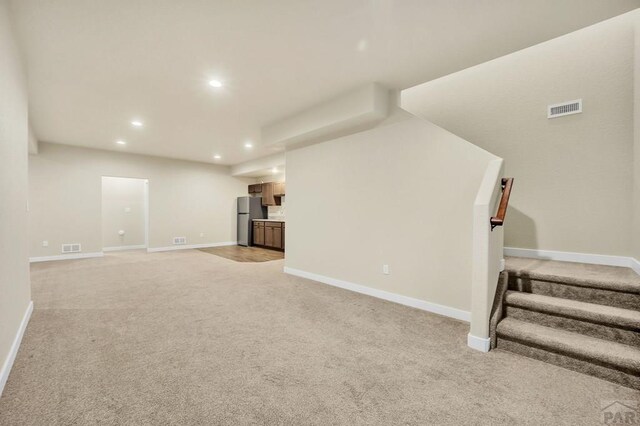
274,170
248,145
217,156
121,142
215,83
136,123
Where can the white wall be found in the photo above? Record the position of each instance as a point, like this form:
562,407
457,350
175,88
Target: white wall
185,198
400,194
123,209
636,142
573,187
15,292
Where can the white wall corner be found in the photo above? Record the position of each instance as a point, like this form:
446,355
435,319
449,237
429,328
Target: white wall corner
13,351
503,264
33,142
478,343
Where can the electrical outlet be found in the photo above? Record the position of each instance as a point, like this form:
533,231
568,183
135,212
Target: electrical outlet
45,243
385,269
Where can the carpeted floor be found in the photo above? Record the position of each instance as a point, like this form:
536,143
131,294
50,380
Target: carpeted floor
188,338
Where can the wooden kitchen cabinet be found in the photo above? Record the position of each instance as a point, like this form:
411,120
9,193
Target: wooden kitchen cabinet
268,234
256,188
272,193
279,189
268,197
258,233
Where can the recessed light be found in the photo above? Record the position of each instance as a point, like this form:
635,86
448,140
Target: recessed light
137,123
215,83
217,156
274,170
248,145
121,142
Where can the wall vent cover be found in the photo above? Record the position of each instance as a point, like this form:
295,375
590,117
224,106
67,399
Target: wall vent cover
71,248
565,108
179,240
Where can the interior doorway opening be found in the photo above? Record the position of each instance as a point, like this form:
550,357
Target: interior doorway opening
125,213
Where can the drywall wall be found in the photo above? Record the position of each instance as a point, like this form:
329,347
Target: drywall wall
573,175
123,212
15,291
400,194
186,199
636,141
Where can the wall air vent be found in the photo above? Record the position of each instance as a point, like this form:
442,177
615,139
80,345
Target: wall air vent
565,108
179,240
71,248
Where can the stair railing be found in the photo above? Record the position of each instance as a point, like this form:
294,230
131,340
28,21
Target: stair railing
498,219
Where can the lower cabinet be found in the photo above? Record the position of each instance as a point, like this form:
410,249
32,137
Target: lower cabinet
268,234
258,233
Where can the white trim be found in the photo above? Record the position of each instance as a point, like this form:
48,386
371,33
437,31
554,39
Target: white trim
11,356
146,213
66,257
191,246
567,256
503,264
120,248
385,295
478,343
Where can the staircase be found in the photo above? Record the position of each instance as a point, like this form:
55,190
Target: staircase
582,317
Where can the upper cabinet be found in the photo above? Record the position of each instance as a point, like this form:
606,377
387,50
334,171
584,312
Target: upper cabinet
272,193
256,188
278,190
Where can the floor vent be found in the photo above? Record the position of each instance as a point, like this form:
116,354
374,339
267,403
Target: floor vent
565,108
179,240
71,248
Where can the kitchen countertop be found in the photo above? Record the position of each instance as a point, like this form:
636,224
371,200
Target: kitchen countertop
268,220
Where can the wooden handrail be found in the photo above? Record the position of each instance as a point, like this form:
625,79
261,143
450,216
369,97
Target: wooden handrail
498,219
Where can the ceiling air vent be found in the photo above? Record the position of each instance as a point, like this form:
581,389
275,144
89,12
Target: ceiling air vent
179,240
71,248
565,108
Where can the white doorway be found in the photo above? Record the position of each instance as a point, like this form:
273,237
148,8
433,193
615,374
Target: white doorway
125,213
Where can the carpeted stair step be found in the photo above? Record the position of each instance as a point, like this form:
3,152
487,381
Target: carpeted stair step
605,285
608,360
601,321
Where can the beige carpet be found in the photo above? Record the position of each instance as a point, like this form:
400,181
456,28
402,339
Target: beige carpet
189,338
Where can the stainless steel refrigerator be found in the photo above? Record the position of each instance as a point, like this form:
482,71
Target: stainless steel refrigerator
249,208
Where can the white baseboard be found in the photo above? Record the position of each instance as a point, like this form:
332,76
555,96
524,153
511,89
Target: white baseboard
478,343
381,294
66,257
191,246
567,256
121,248
13,351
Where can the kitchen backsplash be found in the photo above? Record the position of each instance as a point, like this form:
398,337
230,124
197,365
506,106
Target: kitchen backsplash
276,212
